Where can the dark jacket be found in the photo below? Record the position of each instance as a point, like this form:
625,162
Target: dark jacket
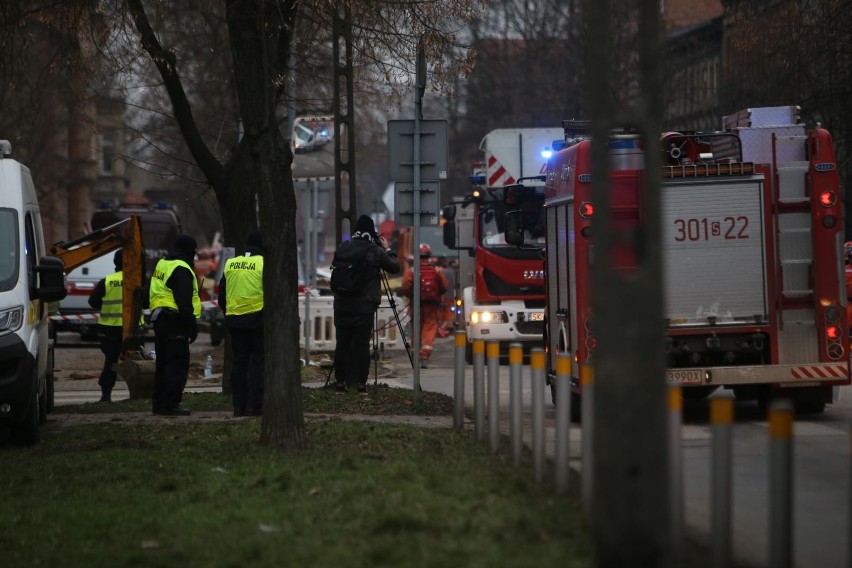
376,259
183,290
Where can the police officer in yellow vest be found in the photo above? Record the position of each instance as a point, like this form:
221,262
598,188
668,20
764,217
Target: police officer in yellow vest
175,307
106,298
241,300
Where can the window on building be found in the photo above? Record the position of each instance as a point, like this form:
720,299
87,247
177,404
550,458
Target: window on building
107,153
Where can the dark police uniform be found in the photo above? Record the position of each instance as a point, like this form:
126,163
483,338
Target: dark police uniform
241,300
175,307
107,299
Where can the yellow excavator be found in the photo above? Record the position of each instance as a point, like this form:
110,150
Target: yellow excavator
126,235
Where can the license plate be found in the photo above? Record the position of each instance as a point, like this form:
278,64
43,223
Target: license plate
685,376
536,316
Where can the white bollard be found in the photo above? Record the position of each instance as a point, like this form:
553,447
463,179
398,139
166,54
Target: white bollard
516,434
492,351
781,484
587,480
537,372
478,390
458,380
563,422
675,406
721,418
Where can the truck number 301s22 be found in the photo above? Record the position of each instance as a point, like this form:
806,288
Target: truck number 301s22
729,228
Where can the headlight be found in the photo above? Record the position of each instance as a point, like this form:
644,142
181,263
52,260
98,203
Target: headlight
11,320
488,317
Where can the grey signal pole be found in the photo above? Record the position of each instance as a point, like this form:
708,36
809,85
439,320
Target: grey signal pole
420,87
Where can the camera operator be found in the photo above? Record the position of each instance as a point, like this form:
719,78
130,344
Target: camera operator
354,314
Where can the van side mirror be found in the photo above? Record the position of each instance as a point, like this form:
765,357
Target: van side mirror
50,280
514,228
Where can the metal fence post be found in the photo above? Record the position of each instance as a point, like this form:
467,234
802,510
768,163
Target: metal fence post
479,390
563,421
458,380
781,484
537,373
516,358
722,418
675,406
587,392
493,353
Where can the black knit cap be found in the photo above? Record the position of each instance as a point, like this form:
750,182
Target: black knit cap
186,245
254,239
118,258
365,225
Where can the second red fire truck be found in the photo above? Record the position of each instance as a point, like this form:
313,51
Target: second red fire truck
753,265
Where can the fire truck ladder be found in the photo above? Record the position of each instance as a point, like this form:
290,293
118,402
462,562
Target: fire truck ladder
795,247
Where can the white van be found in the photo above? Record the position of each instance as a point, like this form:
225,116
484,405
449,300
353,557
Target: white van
28,281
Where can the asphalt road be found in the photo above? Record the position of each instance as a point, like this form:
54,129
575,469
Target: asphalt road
822,473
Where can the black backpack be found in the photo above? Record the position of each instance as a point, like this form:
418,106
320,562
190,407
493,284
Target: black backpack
348,270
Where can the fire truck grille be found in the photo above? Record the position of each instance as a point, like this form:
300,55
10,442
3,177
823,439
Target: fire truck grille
500,287
530,327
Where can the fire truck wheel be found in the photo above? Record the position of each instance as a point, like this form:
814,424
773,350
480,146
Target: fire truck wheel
807,400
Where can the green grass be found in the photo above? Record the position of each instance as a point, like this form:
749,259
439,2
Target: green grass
207,494
380,400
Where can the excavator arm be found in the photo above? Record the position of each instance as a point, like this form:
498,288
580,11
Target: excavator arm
127,235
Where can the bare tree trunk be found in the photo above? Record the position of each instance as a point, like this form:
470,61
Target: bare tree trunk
258,28
261,36
80,157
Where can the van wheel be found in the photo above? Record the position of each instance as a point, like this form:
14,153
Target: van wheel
26,432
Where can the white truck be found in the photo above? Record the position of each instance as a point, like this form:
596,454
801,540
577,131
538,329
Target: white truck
28,281
502,285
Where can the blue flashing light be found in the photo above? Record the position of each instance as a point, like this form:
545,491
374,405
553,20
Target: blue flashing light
479,180
162,205
546,153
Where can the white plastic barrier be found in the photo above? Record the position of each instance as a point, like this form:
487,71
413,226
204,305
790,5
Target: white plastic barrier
321,316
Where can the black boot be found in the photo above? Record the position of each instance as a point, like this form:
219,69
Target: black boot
106,396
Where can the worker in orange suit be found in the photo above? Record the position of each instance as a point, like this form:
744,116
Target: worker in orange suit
433,284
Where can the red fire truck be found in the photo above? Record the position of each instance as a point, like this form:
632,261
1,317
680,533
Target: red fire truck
752,237
501,285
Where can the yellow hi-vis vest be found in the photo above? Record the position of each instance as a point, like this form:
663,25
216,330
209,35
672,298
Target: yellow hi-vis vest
161,296
244,285
111,307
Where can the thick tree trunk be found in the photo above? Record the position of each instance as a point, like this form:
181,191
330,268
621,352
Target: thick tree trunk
261,35
260,32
